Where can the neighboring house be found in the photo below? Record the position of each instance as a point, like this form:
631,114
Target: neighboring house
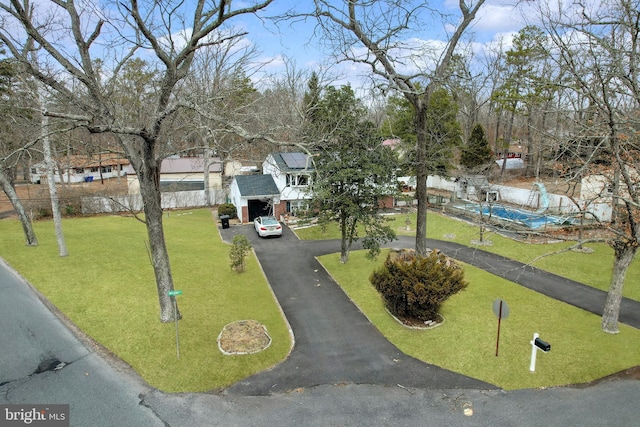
283,187
76,168
237,167
183,174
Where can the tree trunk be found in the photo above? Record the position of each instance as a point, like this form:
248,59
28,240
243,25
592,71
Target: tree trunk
507,142
421,179
10,191
345,241
207,163
624,254
51,181
529,168
149,178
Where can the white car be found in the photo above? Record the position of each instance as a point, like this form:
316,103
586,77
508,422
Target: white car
267,226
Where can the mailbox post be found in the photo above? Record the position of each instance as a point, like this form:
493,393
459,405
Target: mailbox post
537,344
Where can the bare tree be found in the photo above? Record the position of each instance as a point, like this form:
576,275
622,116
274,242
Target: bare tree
51,181
85,46
13,143
599,46
385,30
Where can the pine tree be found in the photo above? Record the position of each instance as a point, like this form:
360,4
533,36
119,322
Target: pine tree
476,156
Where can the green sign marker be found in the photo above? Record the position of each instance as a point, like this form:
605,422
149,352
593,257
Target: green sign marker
174,293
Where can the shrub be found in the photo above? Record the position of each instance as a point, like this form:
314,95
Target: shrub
415,287
239,249
227,209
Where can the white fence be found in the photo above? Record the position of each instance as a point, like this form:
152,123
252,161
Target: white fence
133,202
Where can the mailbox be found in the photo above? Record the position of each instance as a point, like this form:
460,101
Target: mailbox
542,345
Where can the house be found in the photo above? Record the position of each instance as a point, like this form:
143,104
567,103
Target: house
80,168
292,173
183,174
283,187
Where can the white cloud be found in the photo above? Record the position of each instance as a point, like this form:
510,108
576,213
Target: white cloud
498,18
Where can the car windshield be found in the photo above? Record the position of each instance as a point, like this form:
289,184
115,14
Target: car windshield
269,220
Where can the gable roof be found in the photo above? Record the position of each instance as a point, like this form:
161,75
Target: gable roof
189,165
257,186
293,162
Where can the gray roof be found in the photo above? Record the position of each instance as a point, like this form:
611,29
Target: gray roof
293,162
189,165
257,186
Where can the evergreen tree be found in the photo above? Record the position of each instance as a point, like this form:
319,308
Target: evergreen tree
442,131
354,171
476,156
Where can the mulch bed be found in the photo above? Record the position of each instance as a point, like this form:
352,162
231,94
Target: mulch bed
243,337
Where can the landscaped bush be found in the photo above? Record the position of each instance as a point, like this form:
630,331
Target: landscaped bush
227,209
414,287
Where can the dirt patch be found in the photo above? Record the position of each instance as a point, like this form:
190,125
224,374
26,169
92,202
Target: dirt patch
243,337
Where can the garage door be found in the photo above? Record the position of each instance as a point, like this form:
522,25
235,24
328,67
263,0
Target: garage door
258,208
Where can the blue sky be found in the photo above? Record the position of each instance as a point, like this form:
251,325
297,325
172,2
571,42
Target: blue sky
497,19
295,41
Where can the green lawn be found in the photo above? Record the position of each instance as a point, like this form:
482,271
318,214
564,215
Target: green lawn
466,341
106,287
593,269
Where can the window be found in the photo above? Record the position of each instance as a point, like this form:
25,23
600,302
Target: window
296,206
297,180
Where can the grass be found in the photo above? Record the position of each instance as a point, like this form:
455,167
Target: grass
107,288
466,341
593,269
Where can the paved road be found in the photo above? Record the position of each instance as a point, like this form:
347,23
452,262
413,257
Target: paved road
102,392
99,393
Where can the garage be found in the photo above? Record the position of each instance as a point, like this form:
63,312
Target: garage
253,196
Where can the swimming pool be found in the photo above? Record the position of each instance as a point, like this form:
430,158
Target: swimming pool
524,217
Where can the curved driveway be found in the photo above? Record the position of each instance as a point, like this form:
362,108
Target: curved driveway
335,343
357,383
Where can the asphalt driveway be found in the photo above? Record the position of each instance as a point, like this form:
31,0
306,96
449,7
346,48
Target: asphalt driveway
334,341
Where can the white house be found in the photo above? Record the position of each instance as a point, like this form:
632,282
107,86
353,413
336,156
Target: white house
283,187
76,168
292,173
